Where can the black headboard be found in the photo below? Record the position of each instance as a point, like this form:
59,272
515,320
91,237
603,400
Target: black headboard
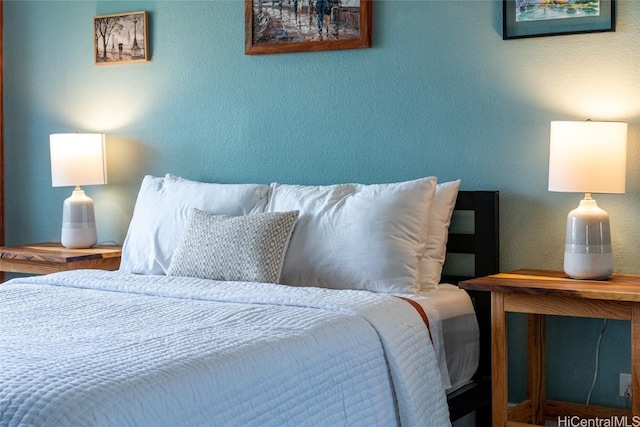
481,243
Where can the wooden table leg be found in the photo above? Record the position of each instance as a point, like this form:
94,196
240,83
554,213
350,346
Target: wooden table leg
635,359
498,360
536,367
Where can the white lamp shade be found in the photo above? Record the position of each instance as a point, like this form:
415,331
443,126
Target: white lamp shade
588,157
77,159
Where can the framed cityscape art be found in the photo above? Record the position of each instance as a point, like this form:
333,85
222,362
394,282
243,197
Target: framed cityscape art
278,26
535,18
121,38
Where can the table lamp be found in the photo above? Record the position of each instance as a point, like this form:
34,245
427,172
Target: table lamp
78,159
588,157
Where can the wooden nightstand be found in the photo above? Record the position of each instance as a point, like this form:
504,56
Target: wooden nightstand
540,293
44,258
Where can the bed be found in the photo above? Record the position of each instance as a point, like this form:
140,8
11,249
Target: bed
229,309
483,242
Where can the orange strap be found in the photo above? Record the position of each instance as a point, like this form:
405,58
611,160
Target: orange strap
421,312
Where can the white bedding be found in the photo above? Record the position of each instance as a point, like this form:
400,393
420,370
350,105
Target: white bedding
97,348
455,333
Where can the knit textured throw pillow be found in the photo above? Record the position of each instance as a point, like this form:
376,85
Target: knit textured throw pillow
247,248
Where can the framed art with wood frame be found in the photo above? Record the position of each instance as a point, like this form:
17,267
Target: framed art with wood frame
280,26
536,18
121,38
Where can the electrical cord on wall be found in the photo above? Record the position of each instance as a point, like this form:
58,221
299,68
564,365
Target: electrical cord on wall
595,374
627,397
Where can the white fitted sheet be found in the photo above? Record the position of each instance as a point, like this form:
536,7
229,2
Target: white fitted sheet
455,333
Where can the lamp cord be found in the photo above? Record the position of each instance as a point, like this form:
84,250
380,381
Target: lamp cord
108,242
595,374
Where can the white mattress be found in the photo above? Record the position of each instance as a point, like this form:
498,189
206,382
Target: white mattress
455,333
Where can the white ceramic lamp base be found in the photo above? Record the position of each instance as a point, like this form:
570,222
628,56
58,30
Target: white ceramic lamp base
78,221
587,253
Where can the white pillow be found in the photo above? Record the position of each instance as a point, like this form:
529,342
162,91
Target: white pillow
354,236
439,221
248,248
162,209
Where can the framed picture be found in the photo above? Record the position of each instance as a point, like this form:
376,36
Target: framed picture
121,38
279,26
536,18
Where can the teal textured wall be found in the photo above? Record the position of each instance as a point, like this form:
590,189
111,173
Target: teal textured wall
439,93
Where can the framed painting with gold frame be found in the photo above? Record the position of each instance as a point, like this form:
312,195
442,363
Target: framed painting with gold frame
121,38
